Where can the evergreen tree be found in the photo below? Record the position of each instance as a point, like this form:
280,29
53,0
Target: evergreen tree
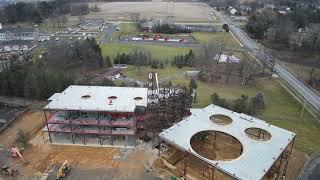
107,82
219,101
193,84
241,104
30,87
195,94
108,62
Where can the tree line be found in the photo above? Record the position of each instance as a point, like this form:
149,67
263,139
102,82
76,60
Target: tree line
39,78
242,104
32,81
169,28
297,30
38,11
184,60
140,58
74,54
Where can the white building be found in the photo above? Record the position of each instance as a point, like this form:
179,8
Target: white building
232,10
92,25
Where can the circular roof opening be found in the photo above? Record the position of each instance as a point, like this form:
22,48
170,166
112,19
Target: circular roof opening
220,119
258,134
112,97
138,98
216,145
85,96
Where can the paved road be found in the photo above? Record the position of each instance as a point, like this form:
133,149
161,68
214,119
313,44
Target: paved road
311,171
310,95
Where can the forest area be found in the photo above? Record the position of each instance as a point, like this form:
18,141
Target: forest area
37,77
39,11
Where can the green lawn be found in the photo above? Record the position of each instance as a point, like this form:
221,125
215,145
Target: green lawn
125,29
216,37
133,72
157,52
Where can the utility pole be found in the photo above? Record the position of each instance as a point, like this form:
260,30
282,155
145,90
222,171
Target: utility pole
304,105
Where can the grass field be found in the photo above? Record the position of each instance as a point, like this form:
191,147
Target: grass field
125,29
158,52
217,37
122,11
169,71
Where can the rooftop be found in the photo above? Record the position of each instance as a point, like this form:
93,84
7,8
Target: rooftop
98,98
257,157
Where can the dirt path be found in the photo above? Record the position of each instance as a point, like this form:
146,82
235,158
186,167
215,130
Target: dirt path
31,121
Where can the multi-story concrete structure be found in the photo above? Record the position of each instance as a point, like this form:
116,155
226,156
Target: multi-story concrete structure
96,115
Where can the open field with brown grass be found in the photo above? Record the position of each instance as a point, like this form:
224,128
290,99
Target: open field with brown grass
122,11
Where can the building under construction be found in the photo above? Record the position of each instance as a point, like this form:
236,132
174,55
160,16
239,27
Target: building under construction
216,143
167,105
114,116
96,115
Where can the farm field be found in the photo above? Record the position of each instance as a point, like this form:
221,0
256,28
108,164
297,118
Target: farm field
123,11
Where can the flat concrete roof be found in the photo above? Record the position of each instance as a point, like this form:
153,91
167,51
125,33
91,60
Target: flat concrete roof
97,98
257,157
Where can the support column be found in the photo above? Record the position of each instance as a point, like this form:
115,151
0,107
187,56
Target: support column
185,157
214,143
99,126
289,156
213,174
45,116
71,128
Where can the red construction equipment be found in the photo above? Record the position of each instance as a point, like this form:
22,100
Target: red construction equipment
16,152
157,37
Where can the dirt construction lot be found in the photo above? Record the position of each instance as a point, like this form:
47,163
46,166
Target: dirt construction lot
31,121
86,162
179,12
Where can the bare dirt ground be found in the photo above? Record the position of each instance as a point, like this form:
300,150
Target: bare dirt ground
296,163
226,147
179,12
86,162
31,121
